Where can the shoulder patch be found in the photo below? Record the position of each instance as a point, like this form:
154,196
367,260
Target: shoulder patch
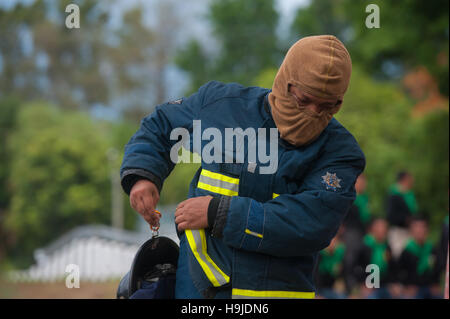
331,181
179,101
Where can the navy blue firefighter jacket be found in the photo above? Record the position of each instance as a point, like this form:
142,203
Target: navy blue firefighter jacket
267,229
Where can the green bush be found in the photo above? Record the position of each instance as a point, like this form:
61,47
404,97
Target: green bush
59,177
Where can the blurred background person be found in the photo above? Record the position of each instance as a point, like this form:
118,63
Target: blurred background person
330,270
442,250
355,223
401,205
417,263
376,250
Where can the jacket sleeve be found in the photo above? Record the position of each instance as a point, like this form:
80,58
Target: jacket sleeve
301,223
147,154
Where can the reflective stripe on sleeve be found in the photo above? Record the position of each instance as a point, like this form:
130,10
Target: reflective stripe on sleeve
221,177
218,183
197,242
217,190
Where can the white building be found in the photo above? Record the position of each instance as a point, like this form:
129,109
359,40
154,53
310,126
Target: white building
100,252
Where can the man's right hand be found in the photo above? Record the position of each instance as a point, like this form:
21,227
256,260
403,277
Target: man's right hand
143,198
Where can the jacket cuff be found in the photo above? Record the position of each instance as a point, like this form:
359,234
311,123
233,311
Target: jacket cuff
212,211
132,176
217,215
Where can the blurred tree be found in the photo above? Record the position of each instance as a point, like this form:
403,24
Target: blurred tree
194,60
378,114
322,17
128,66
44,59
9,108
265,78
176,186
99,64
428,147
412,33
58,178
245,31
142,57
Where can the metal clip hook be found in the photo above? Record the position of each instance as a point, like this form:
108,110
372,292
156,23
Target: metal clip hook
155,229
155,232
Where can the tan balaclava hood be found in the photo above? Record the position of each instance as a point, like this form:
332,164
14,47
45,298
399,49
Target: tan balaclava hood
319,66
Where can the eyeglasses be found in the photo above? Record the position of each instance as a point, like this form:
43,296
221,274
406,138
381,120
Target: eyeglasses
305,101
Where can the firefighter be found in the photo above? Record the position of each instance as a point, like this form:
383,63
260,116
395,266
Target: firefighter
244,232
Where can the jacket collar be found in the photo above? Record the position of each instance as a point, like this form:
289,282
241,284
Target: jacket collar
267,106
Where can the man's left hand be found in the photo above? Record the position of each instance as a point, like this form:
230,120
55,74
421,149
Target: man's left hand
193,213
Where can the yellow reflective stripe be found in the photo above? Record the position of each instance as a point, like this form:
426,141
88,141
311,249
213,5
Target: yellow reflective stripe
220,177
204,266
219,184
203,236
271,294
275,195
215,189
204,260
248,231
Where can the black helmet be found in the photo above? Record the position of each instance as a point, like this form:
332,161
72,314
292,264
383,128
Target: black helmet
156,258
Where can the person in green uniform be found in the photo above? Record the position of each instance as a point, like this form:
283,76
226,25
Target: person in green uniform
401,206
355,224
417,263
330,269
375,250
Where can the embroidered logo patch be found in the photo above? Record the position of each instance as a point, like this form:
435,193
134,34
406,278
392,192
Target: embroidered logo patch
331,181
179,101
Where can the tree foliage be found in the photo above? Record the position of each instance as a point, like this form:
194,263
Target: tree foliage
412,33
59,176
98,64
247,42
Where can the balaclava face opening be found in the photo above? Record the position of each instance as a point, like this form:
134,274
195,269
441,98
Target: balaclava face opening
317,65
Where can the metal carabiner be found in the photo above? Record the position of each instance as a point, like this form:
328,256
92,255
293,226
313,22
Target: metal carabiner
155,229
